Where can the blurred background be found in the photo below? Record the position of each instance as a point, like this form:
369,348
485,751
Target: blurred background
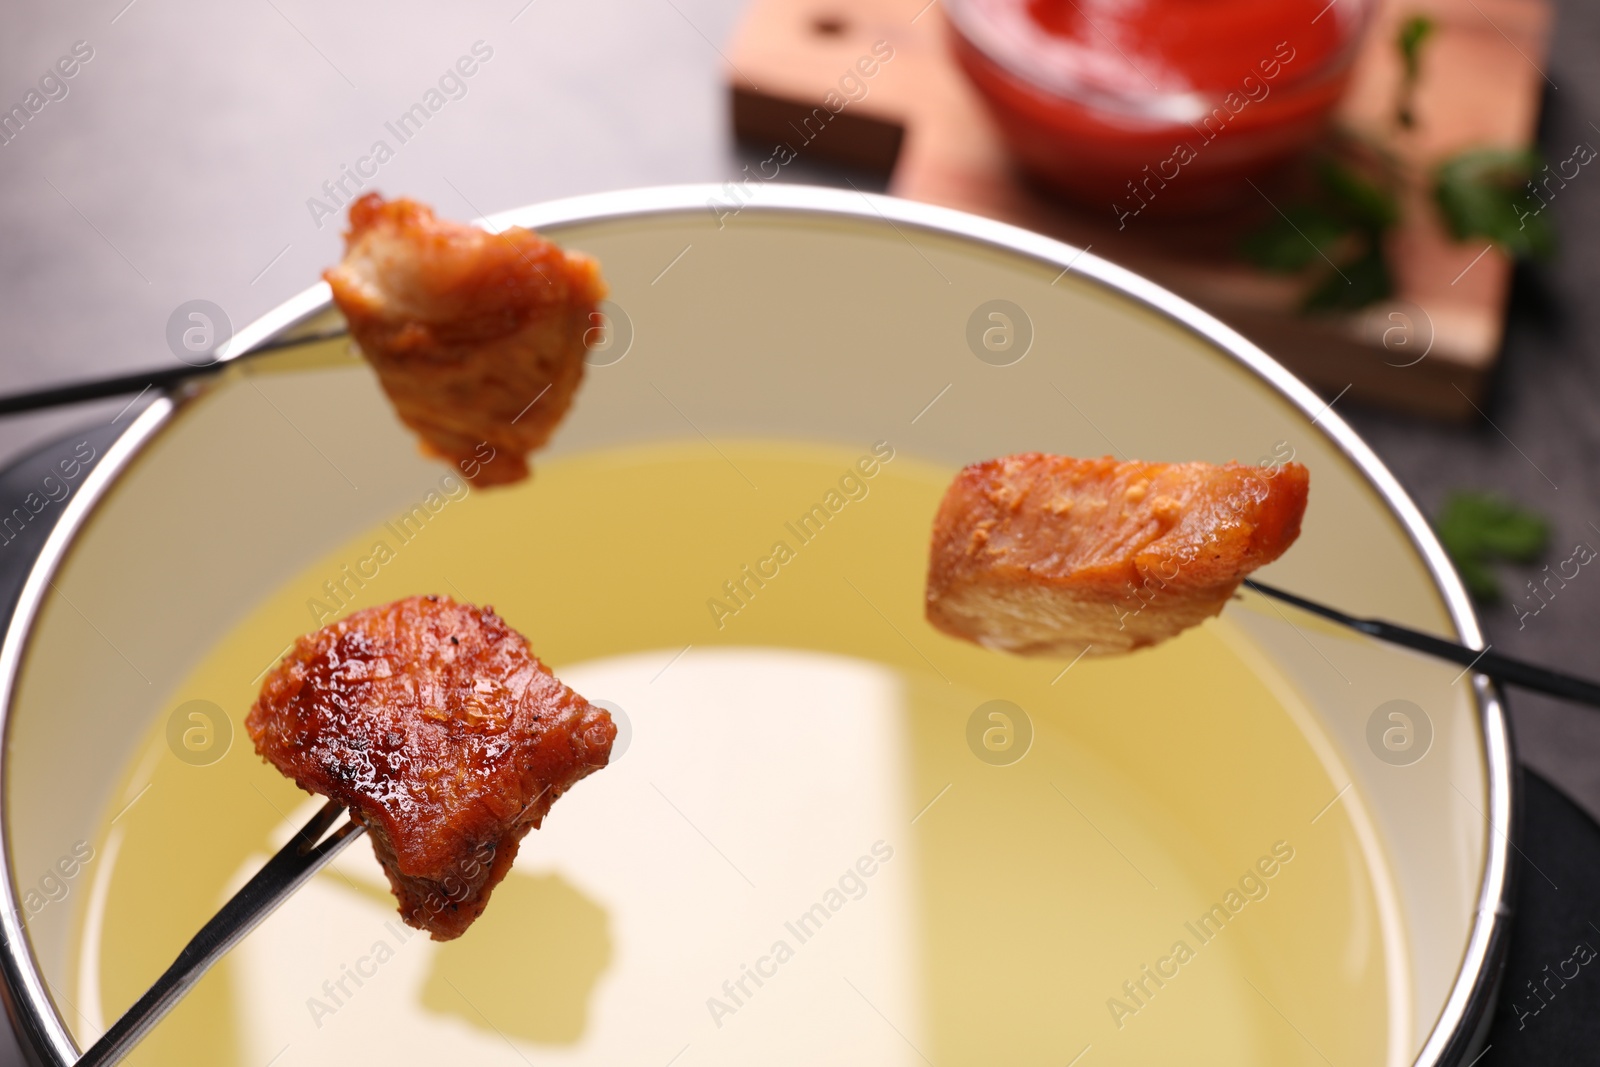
1431,277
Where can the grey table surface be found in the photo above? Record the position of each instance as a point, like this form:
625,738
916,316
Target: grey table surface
180,161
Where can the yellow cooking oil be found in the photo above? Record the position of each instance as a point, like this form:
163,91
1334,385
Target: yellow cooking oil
834,833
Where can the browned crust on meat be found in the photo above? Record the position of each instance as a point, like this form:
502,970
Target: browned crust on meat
1048,555
441,731
477,338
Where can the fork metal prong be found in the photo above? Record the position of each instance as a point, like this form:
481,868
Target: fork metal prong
307,852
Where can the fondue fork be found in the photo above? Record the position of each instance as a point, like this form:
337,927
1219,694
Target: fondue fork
166,377
1480,660
305,854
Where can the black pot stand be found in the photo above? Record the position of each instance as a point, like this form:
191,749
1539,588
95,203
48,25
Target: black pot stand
1549,1004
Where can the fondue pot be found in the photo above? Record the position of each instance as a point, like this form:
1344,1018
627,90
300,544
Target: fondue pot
1334,867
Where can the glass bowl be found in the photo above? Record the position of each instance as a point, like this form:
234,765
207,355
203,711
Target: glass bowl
1159,106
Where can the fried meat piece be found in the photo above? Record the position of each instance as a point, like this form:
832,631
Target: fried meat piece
435,724
1045,556
477,338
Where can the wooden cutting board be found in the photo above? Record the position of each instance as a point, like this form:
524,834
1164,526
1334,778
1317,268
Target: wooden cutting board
920,126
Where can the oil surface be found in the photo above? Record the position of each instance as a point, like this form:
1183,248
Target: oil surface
821,840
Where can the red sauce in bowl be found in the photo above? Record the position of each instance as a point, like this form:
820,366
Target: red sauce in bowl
1157,104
